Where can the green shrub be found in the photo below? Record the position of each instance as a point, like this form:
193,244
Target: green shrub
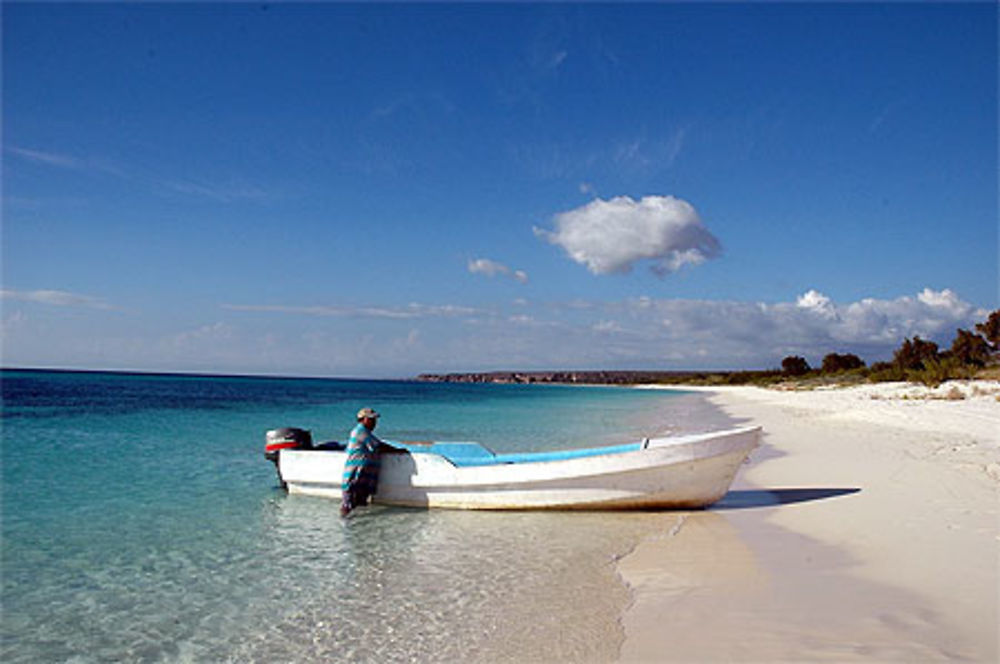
886,372
991,329
939,370
969,348
794,365
835,362
913,355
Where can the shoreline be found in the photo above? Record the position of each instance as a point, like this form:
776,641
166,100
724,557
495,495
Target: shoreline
864,528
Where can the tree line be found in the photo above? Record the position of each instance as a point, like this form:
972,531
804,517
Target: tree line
916,359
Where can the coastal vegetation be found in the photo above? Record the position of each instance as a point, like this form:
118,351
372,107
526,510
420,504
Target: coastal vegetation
972,354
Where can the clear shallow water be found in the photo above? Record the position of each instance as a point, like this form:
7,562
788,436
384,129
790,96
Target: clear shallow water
141,523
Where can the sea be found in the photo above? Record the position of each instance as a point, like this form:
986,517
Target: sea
142,523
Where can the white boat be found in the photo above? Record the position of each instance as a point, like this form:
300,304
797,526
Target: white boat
678,472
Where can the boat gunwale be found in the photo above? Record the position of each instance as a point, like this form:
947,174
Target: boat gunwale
574,454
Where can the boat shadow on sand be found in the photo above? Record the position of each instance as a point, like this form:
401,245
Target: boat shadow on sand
750,498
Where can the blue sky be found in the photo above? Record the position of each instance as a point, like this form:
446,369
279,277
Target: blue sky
379,190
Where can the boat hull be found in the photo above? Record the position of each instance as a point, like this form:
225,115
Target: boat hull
667,473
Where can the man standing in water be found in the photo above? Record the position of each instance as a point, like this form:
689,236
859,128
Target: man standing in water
362,465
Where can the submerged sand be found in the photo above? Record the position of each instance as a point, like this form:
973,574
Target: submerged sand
865,528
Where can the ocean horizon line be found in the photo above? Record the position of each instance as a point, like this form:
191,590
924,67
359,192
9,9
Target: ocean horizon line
417,377
198,374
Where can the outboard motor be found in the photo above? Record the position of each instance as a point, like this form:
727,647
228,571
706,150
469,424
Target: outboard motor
286,438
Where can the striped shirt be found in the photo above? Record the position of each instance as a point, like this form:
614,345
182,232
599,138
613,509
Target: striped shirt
362,464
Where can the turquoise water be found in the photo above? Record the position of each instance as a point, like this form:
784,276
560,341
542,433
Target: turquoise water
140,522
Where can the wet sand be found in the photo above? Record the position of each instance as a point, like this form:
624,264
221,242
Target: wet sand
864,529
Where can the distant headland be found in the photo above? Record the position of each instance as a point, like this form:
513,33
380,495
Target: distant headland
615,377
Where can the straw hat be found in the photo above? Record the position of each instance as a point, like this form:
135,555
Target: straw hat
366,413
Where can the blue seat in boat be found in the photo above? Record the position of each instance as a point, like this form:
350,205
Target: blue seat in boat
460,454
474,454
562,455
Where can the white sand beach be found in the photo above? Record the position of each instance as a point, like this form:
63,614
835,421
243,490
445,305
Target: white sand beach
865,529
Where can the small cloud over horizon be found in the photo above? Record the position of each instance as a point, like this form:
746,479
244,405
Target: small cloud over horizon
491,268
412,310
229,191
55,298
46,158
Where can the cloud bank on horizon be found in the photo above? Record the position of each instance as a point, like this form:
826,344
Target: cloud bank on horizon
639,332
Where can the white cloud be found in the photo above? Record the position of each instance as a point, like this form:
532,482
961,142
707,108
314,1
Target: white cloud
556,60
224,192
217,332
412,310
946,299
47,158
408,343
72,162
55,298
631,153
492,268
674,145
487,267
817,303
606,326
12,322
612,236
645,153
